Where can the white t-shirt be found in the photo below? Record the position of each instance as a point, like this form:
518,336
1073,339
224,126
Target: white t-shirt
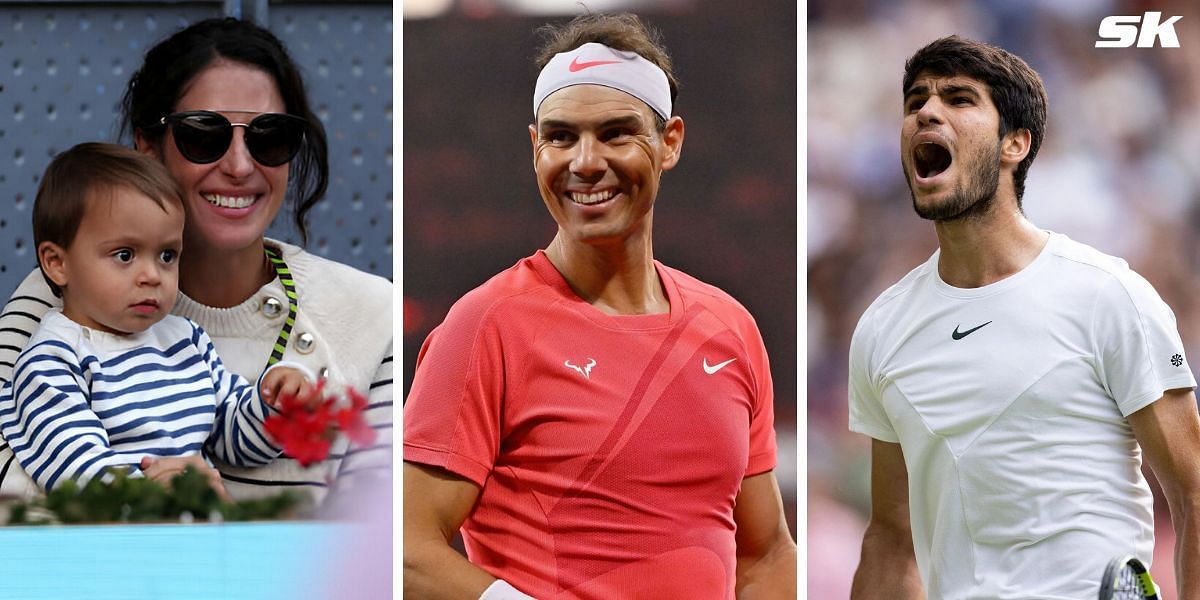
1009,401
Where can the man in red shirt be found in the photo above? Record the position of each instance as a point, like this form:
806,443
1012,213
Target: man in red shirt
599,425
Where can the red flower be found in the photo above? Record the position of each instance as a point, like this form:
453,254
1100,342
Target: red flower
352,422
357,400
307,451
306,425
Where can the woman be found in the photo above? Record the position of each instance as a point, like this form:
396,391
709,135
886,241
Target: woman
223,106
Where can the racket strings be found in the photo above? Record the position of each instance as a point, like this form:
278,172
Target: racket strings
1131,585
1126,578
1128,587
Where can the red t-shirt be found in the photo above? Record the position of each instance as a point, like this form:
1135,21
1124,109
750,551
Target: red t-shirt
609,449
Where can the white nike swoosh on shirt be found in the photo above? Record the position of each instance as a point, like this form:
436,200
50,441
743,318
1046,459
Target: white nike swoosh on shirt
710,369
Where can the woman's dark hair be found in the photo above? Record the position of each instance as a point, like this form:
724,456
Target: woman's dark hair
169,66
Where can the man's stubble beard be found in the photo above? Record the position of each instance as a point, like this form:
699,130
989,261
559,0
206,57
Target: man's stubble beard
970,199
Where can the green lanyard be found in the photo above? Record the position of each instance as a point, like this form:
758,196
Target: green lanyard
289,287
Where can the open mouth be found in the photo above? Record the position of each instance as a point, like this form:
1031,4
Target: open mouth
930,159
229,201
590,198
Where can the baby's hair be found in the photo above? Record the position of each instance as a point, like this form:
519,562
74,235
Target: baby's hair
84,172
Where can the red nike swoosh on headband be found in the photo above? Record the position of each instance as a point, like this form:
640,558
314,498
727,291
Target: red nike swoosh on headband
576,66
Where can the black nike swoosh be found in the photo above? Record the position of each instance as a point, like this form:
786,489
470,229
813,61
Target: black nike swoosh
960,335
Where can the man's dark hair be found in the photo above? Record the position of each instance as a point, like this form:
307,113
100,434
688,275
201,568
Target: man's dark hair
623,31
81,174
171,65
1017,90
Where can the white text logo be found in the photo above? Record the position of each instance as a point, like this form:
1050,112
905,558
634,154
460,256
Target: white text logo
1121,31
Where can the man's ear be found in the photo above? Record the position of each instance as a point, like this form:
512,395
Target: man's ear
53,260
142,144
672,138
533,143
1015,146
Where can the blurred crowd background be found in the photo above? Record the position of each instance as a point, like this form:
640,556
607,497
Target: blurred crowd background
726,214
1119,170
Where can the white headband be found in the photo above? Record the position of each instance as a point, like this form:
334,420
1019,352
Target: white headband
598,64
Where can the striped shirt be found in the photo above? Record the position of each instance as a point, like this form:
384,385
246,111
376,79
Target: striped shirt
81,401
346,314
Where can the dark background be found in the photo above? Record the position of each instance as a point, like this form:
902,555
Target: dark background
726,214
65,65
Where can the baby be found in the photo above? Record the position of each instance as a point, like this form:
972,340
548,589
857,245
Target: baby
112,379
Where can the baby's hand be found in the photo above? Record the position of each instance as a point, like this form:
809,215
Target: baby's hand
166,468
281,381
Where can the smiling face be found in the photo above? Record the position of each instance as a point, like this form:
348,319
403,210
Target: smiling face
230,202
950,146
120,274
598,160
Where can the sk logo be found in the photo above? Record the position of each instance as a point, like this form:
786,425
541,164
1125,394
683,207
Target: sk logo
1120,31
585,370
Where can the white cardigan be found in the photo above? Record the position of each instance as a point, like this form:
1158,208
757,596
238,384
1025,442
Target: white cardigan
345,313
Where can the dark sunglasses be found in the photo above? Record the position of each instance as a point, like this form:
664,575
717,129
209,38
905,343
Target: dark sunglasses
203,136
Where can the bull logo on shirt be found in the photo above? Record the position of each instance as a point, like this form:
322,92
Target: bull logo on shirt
585,370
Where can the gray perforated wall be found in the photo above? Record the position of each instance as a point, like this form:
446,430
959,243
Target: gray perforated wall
64,66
